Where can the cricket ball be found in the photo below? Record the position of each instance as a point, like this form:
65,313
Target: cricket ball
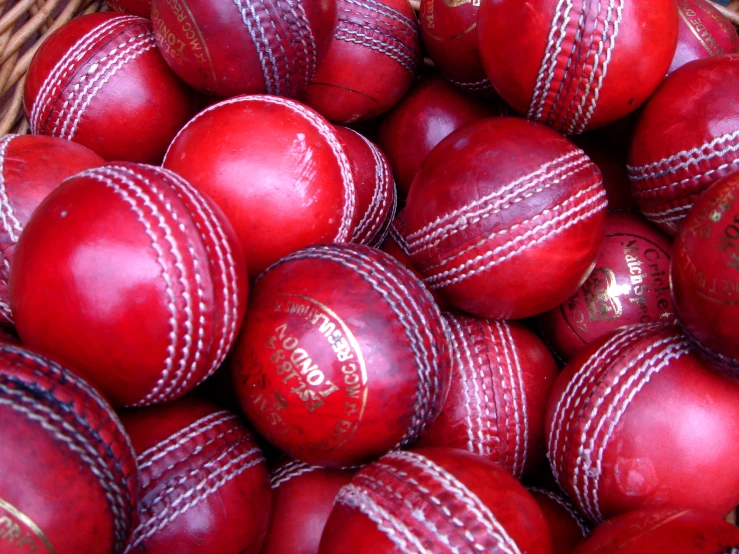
100,81
505,218
705,274
244,47
630,285
69,481
576,66
435,500
449,33
204,481
687,138
303,497
131,277
703,32
636,420
342,357
372,60
294,185
501,377
431,111
675,531
31,166
566,526
376,199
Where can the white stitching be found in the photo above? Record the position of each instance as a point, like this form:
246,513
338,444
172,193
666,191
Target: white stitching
394,529
11,225
54,82
373,217
495,199
261,45
517,387
411,26
99,175
567,506
410,63
130,50
290,472
79,444
471,267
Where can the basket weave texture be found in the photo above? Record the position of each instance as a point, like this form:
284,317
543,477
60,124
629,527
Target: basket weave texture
24,24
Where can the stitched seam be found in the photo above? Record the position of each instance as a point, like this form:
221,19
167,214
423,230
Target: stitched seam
261,44
389,50
367,227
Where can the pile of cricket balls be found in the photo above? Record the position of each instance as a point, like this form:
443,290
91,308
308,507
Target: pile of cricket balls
331,277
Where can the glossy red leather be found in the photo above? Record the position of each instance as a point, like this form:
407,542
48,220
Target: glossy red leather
630,285
241,47
277,170
449,33
505,218
371,62
636,420
132,278
566,527
303,499
100,81
501,377
376,198
673,531
69,481
204,481
431,111
31,167
686,138
342,357
703,32
576,65
704,274
444,500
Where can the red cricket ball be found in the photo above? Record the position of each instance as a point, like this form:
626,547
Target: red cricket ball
142,8
449,33
566,526
505,218
376,199
303,498
705,274
133,278
665,530
371,62
687,137
100,81
630,285
437,500
276,168
31,166
244,47
703,32
343,355
204,481
431,111
69,481
576,65
637,420
501,377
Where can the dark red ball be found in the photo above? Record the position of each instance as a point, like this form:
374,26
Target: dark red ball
69,481
204,481
434,500
505,218
687,138
705,274
100,81
342,357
